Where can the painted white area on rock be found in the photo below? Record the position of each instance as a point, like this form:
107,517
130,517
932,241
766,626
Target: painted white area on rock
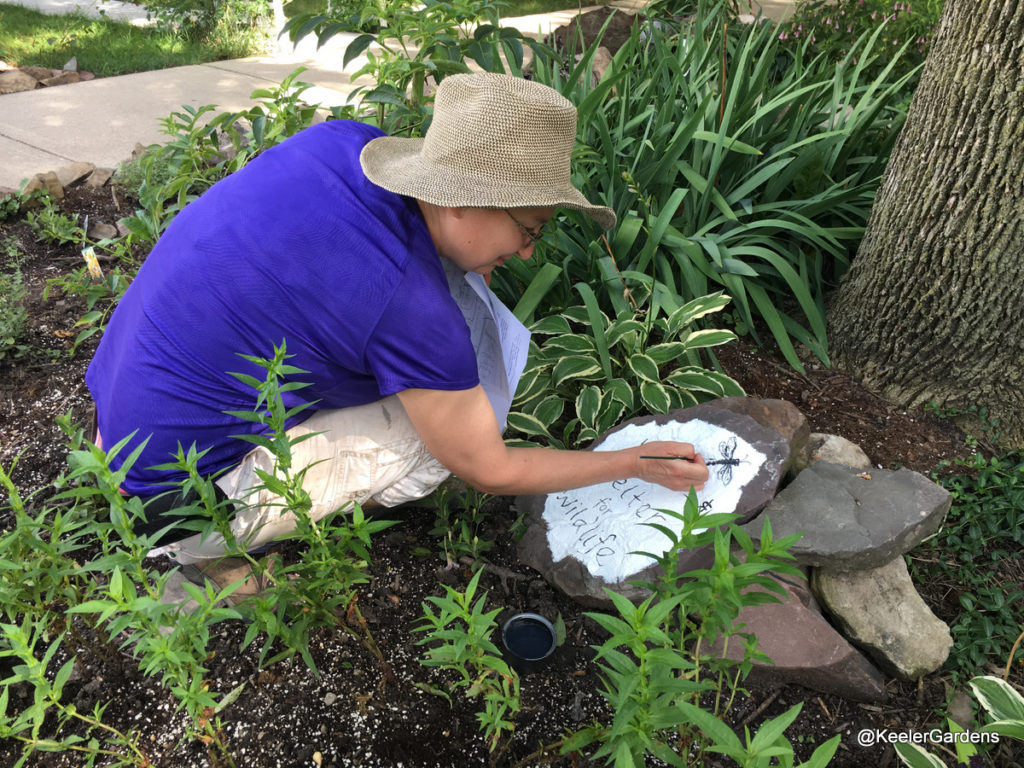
600,525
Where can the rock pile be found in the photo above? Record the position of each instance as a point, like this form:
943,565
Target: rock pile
857,522
16,79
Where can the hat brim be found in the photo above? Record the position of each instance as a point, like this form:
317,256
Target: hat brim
398,165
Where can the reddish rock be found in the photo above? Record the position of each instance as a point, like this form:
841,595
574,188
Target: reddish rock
83,76
806,649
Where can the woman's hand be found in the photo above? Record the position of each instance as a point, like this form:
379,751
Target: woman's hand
679,474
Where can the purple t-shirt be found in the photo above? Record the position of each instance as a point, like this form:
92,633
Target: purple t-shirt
297,246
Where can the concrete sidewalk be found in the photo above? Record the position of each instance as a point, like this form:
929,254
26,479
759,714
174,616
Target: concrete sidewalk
100,121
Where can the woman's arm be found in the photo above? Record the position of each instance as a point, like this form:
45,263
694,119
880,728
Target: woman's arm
460,430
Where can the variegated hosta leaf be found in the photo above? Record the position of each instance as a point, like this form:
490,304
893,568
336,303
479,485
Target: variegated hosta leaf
611,413
655,396
644,367
696,309
730,387
577,343
998,697
622,391
527,424
680,398
531,385
578,314
551,325
588,404
696,379
709,338
617,329
575,367
666,353
549,410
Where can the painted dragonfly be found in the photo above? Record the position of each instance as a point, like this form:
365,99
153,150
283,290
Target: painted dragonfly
728,460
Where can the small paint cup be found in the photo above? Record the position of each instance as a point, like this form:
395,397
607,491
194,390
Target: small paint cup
529,639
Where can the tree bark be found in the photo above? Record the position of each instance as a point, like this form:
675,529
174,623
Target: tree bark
932,308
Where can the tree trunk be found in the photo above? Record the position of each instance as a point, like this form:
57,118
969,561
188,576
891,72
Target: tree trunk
932,308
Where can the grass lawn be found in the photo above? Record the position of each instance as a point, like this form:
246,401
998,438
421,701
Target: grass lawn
102,46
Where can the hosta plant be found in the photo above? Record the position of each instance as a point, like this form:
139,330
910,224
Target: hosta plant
590,372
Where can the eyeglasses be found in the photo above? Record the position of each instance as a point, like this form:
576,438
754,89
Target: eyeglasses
532,236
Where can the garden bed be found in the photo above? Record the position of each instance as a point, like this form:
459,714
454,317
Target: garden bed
367,712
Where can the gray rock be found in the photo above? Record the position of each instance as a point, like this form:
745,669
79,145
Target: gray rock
14,81
805,648
834,450
573,577
101,231
70,175
853,520
71,65
881,613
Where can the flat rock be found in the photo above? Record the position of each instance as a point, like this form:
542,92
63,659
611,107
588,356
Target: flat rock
805,648
70,175
15,81
582,541
881,613
853,519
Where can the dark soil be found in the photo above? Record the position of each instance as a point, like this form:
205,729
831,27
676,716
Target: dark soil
359,712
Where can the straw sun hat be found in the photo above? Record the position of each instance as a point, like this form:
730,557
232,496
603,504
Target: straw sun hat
496,141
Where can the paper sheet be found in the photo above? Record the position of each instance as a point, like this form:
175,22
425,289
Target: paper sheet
500,341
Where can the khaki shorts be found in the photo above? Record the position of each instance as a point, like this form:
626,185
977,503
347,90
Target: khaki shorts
367,454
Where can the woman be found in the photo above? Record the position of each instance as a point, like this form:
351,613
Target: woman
331,242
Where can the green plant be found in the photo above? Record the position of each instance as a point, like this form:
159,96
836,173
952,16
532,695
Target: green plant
100,290
418,43
204,148
579,382
654,659
21,641
1004,708
458,517
13,315
203,20
463,631
52,226
730,163
974,554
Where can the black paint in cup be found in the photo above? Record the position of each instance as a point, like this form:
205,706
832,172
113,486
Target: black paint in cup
528,638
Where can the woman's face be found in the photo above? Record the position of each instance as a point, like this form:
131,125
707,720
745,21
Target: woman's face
480,239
